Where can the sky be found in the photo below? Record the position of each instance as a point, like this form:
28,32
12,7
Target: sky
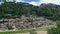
38,2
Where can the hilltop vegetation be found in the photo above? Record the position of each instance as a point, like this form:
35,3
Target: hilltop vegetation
15,10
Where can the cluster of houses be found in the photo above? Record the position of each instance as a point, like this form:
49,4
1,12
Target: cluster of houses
24,23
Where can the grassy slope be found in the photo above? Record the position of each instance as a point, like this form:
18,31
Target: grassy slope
14,32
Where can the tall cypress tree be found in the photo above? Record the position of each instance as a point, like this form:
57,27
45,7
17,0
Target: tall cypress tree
14,1
4,1
0,0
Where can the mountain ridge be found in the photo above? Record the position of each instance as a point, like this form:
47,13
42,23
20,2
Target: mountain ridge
18,9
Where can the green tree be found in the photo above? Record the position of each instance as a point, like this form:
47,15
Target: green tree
55,30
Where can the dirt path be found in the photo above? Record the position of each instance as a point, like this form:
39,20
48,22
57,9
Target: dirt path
41,32
22,33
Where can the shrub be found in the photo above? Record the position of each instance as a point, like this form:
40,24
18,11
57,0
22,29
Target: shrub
33,33
9,27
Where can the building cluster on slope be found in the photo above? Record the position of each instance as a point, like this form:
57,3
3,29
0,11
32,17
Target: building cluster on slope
24,23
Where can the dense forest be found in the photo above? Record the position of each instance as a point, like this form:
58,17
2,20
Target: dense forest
15,10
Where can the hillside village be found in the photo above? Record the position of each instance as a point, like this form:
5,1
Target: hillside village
24,23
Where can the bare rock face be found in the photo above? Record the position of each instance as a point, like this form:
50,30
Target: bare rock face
50,5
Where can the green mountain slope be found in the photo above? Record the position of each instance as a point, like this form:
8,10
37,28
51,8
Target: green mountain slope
14,10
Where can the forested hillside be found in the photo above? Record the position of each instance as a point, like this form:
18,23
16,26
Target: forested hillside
50,11
14,10
19,16
11,9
